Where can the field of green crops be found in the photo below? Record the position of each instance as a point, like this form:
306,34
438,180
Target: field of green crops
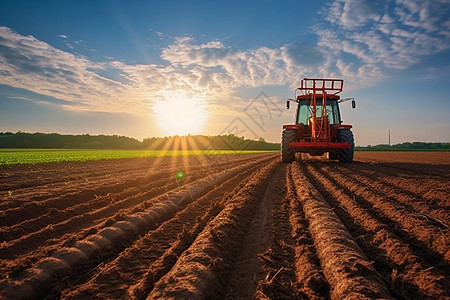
34,156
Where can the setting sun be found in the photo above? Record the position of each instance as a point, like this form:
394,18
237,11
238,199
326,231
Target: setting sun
179,114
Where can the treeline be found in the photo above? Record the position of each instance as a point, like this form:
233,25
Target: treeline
415,146
55,140
86,141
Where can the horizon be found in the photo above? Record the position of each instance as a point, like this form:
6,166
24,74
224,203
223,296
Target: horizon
138,69
209,136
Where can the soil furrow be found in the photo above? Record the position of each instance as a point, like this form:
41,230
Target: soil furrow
227,227
123,231
70,222
39,182
131,269
420,188
78,220
34,208
208,263
409,225
41,198
310,278
90,203
287,263
406,273
254,269
409,199
344,264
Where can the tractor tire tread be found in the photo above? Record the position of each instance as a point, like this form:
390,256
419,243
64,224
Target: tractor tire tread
287,155
346,136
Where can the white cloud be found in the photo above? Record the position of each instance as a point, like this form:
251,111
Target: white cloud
211,70
357,13
383,35
34,65
361,41
254,67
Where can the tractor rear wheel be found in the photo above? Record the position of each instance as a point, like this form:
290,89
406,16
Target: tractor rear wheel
287,155
346,155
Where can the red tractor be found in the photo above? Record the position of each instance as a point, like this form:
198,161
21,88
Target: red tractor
318,128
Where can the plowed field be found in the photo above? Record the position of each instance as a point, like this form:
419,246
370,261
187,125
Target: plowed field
227,227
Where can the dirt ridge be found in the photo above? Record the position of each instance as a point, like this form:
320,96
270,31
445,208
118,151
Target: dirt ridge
231,227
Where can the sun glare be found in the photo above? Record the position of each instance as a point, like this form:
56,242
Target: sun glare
178,114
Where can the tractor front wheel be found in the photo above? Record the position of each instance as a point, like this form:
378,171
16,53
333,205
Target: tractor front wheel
287,155
346,155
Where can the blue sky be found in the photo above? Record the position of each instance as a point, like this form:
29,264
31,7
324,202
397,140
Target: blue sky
156,68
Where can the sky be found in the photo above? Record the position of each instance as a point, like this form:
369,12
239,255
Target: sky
160,68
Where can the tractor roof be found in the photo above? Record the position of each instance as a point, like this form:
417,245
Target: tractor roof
318,96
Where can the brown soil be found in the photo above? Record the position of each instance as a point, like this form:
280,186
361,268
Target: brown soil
234,227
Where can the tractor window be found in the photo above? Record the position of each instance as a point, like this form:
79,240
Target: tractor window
305,112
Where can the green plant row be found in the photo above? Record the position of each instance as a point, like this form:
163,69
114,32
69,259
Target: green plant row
35,156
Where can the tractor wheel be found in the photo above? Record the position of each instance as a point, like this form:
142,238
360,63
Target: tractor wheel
287,155
346,155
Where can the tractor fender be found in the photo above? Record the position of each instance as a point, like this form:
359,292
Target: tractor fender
300,129
342,126
336,128
292,127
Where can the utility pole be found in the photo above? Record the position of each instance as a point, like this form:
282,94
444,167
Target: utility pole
389,137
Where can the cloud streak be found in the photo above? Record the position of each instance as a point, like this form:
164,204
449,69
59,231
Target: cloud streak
382,35
210,70
34,65
357,40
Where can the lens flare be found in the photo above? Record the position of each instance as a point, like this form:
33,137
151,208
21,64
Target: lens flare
180,175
